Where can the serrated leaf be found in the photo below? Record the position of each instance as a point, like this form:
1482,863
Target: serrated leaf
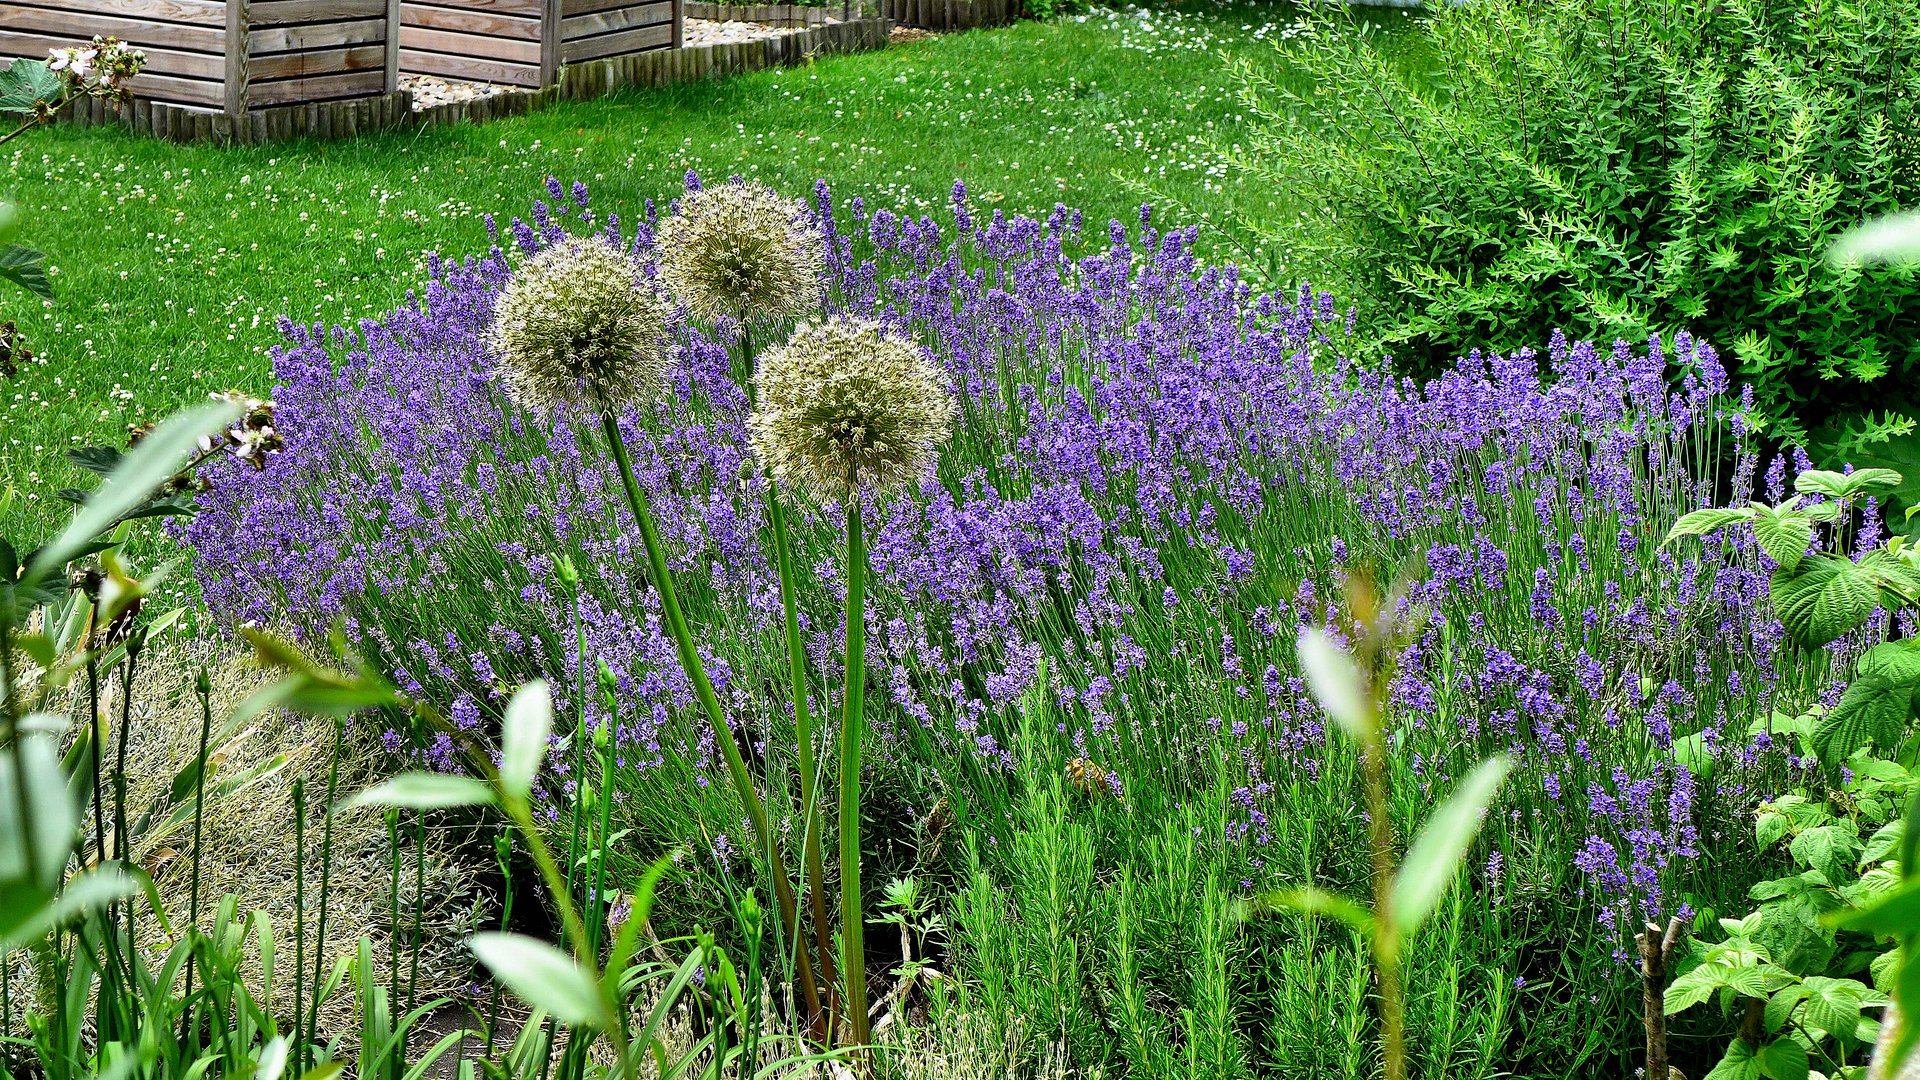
1739,1063
1433,859
1706,522
523,737
1769,828
1873,711
26,84
1834,1005
26,267
1784,536
1823,598
1781,1005
543,977
1783,1059
1894,913
99,460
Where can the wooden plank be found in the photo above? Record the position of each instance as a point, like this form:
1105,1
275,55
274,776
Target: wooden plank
528,9
80,26
416,62
211,13
290,12
323,62
462,21
569,8
332,35
318,87
196,65
478,46
236,61
646,37
574,27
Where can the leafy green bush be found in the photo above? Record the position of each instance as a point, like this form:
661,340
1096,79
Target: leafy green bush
1615,168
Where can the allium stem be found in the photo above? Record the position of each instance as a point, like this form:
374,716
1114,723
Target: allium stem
812,846
710,703
852,728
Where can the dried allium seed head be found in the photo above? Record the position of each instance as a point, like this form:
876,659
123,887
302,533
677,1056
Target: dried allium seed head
577,325
744,251
845,404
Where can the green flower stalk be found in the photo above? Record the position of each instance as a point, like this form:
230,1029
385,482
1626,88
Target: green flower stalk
578,326
745,252
845,411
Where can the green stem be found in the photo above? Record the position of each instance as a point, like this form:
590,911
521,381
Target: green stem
326,867
1386,937
812,846
205,691
852,729
299,923
710,703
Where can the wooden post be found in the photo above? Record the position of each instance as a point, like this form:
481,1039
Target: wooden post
235,88
550,17
679,23
393,46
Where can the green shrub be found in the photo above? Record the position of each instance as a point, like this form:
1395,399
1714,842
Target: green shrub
1613,168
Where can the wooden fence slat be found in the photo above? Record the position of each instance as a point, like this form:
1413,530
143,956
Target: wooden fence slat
80,25
645,37
478,46
322,62
316,36
211,13
574,27
317,87
287,12
461,67
468,22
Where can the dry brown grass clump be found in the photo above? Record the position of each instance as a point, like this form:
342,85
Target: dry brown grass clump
248,844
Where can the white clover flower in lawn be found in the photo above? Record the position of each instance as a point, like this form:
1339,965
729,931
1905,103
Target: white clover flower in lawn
578,325
744,251
847,404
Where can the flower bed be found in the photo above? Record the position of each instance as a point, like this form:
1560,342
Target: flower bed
1159,477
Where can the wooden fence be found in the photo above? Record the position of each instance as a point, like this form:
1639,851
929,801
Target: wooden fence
577,81
233,56
526,42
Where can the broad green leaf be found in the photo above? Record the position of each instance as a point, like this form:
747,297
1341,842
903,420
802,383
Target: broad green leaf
424,791
1336,684
1783,1059
1705,522
9,224
273,1059
1834,1005
1769,828
1873,710
543,977
1434,857
1739,1063
1846,485
1894,238
1784,536
1822,599
26,267
25,84
31,776
1829,849
145,467
1792,934
523,737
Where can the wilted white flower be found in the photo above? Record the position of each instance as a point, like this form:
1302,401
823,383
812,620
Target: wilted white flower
578,325
846,405
744,251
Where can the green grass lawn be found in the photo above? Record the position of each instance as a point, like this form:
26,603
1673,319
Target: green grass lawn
173,262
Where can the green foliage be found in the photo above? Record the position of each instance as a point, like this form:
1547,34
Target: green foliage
1612,169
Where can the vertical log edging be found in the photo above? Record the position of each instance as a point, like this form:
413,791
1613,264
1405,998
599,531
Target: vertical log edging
576,82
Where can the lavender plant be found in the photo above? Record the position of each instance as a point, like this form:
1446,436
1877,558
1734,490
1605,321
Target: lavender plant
1156,475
